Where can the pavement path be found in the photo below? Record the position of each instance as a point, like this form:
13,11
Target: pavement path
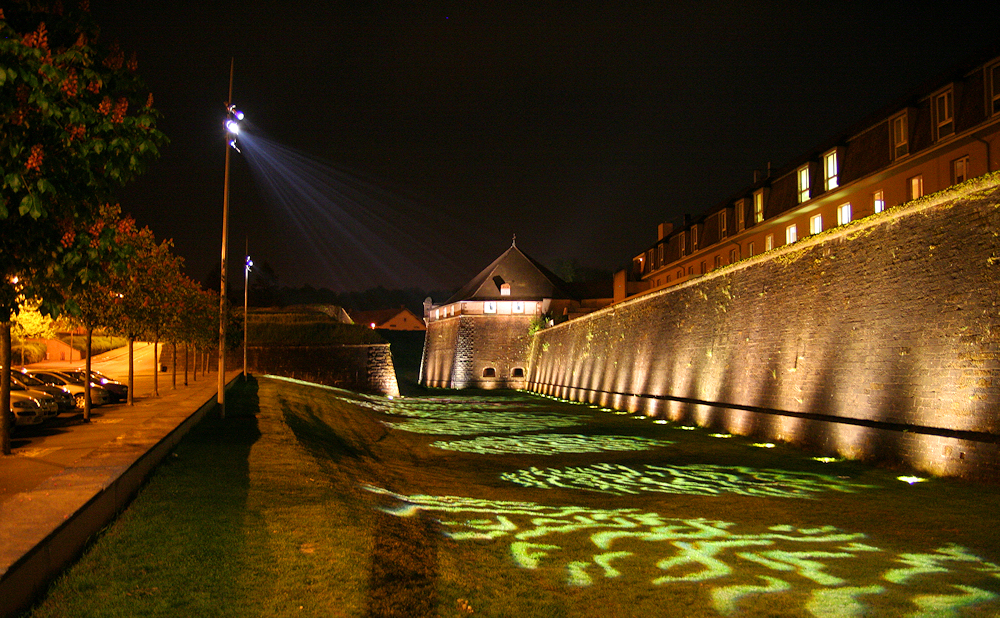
65,479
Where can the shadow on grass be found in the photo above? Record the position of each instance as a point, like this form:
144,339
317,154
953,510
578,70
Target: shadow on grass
402,577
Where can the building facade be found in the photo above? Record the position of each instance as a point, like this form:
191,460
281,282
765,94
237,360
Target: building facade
945,133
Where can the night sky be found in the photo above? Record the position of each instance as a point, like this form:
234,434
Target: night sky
576,126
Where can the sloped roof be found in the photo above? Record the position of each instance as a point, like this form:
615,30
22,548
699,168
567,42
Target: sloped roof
527,278
379,316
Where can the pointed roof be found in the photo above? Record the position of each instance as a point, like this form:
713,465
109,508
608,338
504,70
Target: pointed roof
527,279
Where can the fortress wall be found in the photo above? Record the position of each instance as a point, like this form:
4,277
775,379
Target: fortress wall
458,350
877,340
366,368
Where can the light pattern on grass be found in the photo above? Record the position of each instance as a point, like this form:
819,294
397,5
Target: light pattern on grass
828,571
469,424
694,479
549,444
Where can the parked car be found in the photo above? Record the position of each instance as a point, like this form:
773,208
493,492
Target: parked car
98,396
27,409
117,390
64,400
46,402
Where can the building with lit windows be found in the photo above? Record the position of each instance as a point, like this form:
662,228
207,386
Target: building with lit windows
943,134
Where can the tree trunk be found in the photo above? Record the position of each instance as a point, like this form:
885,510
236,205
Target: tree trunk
87,400
6,428
173,351
131,372
156,368
186,346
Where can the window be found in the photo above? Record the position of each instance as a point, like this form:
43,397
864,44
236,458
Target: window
722,225
517,306
959,170
489,372
649,261
815,224
505,289
750,249
994,89
769,242
791,234
437,314
844,214
694,238
740,216
758,206
830,170
900,136
704,267
734,255
517,373
944,114
682,243
680,273
490,306
803,176
878,201
915,187
718,261
659,254
690,270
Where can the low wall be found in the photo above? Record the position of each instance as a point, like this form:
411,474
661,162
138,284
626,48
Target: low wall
366,368
878,340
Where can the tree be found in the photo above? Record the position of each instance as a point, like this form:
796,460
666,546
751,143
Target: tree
77,123
31,324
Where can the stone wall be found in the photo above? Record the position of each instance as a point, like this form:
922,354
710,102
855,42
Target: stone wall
459,351
365,368
877,340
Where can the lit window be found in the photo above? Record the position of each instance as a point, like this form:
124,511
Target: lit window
750,248
490,306
803,176
505,289
944,114
900,136
995,89
959,170
769,242
815,224
878,201
791,234
740,216
830,170
844,214
916,187
758,206
437,314
517,306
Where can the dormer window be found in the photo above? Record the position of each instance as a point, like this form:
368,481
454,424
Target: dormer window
900,136
505,289
803,180
830,171
944,114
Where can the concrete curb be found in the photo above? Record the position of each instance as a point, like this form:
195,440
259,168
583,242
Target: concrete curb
69,508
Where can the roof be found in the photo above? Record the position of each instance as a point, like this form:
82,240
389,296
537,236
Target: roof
527,279
379,316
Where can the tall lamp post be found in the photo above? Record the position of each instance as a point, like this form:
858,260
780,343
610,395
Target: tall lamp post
246,280
232,125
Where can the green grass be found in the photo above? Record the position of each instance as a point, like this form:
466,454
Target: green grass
310,501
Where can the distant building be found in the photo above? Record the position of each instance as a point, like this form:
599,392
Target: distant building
388,319
480,337
944,133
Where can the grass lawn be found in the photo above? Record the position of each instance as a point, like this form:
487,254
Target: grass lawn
312,501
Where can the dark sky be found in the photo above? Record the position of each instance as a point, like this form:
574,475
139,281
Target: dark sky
577,126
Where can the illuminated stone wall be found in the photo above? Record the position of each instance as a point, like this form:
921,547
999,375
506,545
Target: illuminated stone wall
839,342
365,368
459,350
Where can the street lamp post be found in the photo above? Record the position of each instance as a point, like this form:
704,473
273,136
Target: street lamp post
246,280
232,129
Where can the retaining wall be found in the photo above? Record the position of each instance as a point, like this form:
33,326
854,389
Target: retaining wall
877,340
366,368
